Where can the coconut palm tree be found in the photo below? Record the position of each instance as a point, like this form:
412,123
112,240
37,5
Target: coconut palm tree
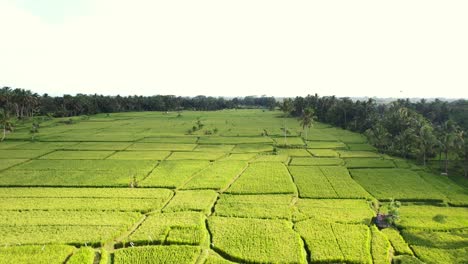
5,123
286,107
307,119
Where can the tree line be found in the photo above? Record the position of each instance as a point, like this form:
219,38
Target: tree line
418,130
21,103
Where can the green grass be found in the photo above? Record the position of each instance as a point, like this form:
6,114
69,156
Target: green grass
45,145
173,174
199,200
264,178
187,228
217,176
333,242
300,161
157,255
436,239
334,210
256,240
140,155
89,165
292,141
400,184
255,206
356,163
196,155
74,155
49,254
361,147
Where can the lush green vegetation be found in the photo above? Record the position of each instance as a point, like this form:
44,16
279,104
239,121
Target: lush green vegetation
148,188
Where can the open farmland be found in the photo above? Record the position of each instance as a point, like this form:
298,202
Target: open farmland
138,188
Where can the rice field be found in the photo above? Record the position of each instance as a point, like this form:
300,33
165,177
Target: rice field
137,188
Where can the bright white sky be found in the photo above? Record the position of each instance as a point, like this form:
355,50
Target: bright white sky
400,48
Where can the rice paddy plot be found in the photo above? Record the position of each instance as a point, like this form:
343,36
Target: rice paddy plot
342,183
291,141
174,174
358,154
140,155
64,227
213,258
436,255
199,200
429,217
301,161
7,163
162,146
100,146
70,178
381,249
395,183
456,194
181,228
12,144
256,240
311,183
84,255
242,148
74,155
23,154
398,243
264,178
330,153
45,145
157,255
255,206
360,147
437,239
318,135
240,156
234,140
89,165
294,152
214,148
272,158
325,145
335,210
82,199
356,163
196,155
217,176
333,242
185,139
46,192
39,254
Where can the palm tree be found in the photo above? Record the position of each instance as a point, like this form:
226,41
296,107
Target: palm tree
286,107
427,140
5,123
306,120
451,138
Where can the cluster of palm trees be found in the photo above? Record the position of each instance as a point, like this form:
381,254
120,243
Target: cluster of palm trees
420,130
19,102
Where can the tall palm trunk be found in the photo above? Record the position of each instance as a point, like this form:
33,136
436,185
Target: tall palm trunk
446,162
4,134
